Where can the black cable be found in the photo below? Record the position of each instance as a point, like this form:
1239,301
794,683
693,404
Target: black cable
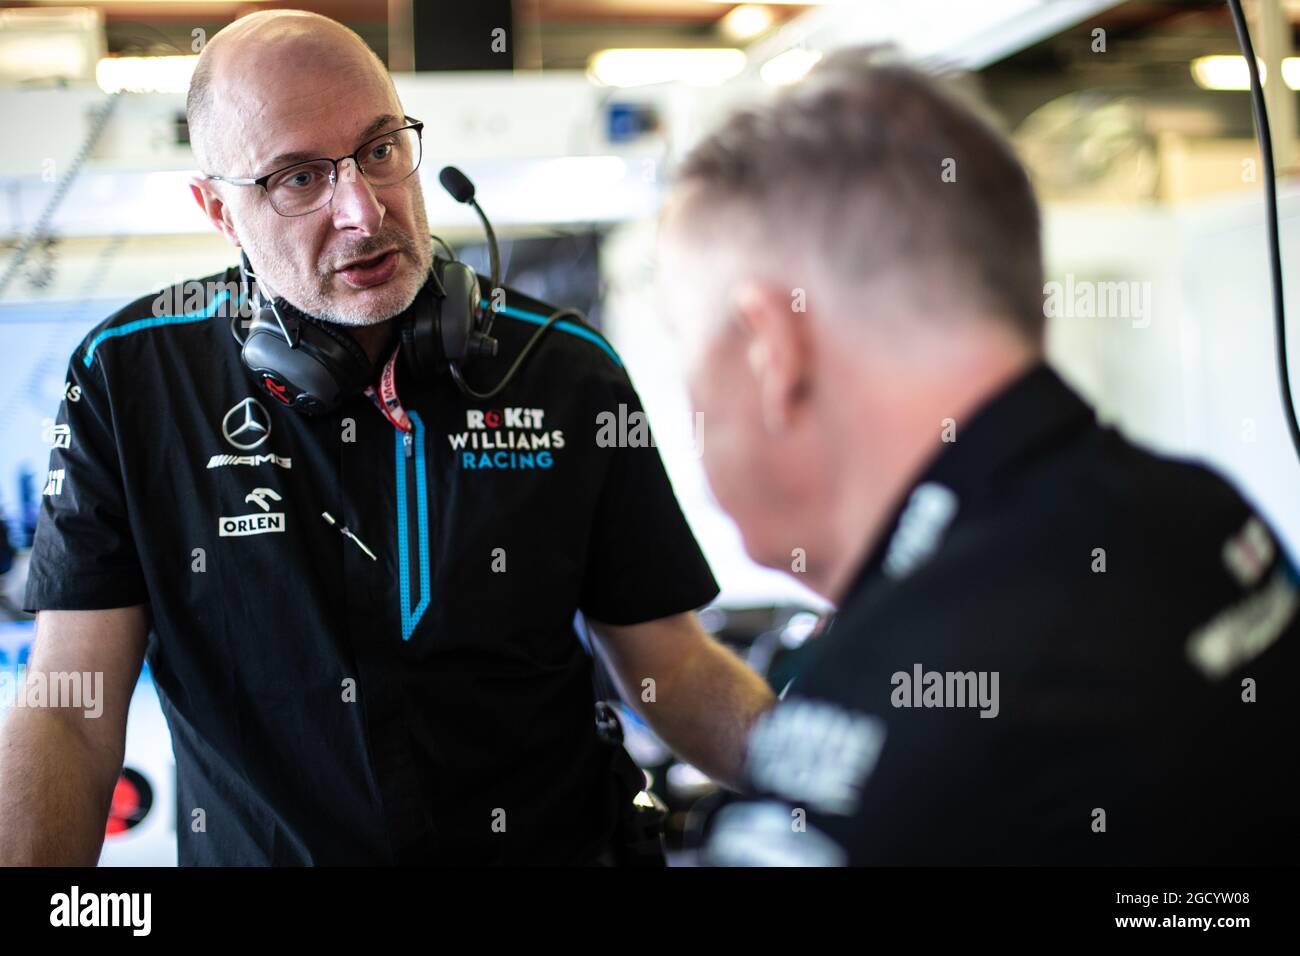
451,254
1270,211
518,362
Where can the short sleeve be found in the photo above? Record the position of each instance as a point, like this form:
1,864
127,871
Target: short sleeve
643,560
83,556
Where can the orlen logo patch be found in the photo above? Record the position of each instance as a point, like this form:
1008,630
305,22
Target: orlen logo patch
506,439
238,526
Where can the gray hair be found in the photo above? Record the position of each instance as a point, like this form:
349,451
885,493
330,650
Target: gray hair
890,170
198,107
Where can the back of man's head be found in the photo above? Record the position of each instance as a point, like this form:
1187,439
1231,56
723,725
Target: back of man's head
878,170
852,263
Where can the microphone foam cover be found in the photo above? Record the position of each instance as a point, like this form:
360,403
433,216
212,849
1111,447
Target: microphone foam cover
456,183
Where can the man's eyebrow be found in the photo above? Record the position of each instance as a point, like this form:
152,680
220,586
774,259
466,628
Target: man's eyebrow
380,123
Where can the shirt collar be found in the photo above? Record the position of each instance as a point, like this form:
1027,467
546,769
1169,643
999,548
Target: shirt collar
1011,429
1014,426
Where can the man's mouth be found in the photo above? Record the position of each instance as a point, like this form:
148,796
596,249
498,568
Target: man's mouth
364,273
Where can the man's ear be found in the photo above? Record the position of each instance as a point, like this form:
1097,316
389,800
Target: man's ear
214,208
778,349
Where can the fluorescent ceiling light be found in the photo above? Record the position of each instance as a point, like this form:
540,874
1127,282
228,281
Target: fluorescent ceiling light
933,34
695,67
747,21
789,67
34,56
145,74
42,44
1231,73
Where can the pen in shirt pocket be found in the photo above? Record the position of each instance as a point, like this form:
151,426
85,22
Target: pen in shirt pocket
347,533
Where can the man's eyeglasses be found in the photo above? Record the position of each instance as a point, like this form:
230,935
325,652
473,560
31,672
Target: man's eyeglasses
307,186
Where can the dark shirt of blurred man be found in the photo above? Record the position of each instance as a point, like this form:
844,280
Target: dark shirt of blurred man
1051,646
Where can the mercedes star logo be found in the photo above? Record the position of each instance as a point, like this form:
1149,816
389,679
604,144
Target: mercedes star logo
246,425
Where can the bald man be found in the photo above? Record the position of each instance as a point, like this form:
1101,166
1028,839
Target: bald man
360,622
277,80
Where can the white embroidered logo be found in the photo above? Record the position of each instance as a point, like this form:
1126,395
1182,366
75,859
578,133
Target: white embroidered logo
929,511
815,753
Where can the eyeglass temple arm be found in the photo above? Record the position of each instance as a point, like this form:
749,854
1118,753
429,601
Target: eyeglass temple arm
231,181
248,271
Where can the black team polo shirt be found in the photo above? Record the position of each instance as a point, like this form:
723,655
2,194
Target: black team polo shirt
432,705
1064,650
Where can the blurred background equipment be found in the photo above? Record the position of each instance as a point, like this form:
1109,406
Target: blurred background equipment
773,641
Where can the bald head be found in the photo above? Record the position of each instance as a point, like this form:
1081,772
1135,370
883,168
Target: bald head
275,91
272,58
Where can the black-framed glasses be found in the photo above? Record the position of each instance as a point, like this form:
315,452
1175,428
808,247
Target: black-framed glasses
304,187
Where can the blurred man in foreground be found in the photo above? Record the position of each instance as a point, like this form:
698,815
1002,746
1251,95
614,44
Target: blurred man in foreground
1051,646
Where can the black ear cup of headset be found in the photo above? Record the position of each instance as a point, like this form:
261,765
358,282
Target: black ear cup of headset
445,323
314,369
314,366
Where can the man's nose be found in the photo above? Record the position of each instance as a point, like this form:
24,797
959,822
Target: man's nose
355,205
